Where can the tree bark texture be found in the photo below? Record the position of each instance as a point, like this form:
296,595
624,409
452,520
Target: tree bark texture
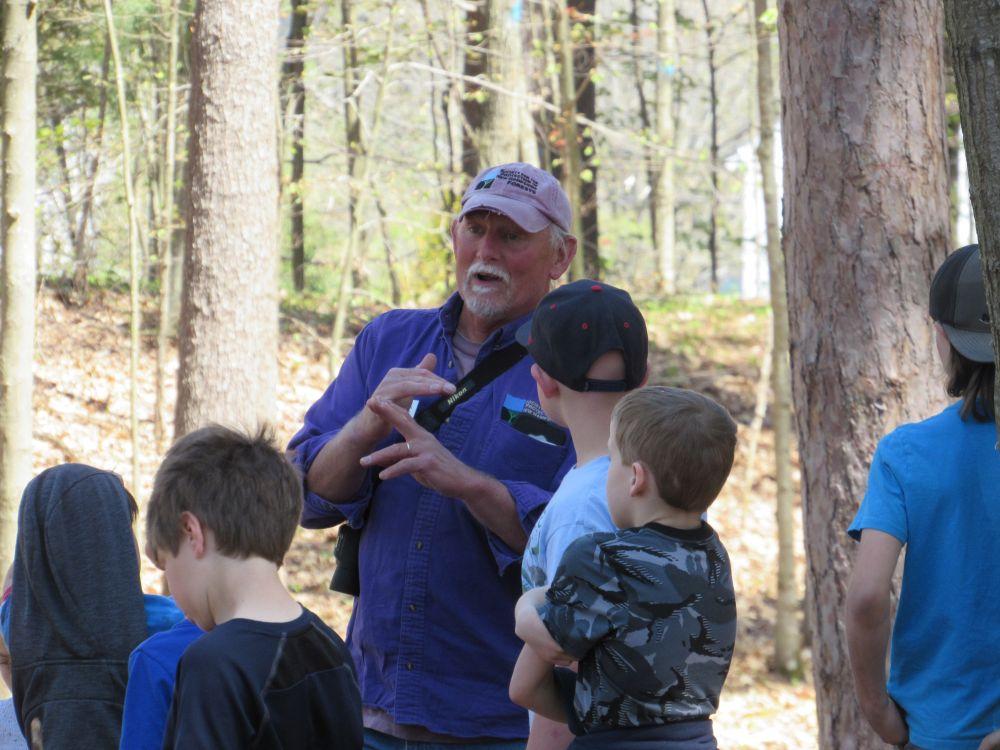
229,313
293,71
477,22
866,225
662,196
787,643
17,224
713,159
974,38
584,65
571,167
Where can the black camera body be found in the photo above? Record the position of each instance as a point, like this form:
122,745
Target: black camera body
347,575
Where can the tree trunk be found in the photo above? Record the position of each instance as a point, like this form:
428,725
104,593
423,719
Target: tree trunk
229,312
584,65
974,37
571,167
866,224
17,231
500,139
713,151
294,68
787,642
477,23
359,162
135,278
662,196
167,254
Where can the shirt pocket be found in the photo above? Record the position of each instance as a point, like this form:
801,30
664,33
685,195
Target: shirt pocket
516,456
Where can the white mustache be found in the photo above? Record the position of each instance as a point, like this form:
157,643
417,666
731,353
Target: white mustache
480,267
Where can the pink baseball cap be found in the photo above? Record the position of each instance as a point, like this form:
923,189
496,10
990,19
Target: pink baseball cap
530,197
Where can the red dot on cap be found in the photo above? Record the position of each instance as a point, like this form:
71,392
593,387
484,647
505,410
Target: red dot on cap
595,288
552,306
585,326
626,324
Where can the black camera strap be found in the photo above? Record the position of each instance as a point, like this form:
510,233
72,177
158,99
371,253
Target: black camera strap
346,575
495,365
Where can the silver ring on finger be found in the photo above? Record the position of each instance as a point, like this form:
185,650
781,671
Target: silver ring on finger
409,448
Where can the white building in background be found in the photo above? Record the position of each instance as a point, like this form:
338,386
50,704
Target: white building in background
966,223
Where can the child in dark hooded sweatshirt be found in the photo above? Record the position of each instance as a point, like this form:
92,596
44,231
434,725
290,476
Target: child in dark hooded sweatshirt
77,609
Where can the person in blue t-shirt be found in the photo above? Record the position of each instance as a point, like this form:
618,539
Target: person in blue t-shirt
933,489
151,670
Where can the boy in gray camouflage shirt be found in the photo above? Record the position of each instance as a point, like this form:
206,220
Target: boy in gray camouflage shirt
648,611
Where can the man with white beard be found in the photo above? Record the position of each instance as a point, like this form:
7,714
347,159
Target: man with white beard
445,513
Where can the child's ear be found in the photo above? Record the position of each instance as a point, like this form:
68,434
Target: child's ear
640,479
547,385
193,533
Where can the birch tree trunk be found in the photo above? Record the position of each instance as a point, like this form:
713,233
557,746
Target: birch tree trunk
787,642
17,224
229,314
866,224
974,36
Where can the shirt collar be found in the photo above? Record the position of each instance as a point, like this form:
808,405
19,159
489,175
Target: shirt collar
449,312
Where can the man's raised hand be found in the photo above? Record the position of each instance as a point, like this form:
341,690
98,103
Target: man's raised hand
420,454
400,386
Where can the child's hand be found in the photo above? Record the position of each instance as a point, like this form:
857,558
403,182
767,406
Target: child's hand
528,626
991,741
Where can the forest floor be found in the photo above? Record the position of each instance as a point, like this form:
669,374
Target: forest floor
714,345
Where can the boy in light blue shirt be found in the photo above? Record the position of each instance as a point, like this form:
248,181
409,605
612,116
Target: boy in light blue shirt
590,348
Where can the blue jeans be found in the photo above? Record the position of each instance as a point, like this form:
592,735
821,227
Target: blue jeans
378,741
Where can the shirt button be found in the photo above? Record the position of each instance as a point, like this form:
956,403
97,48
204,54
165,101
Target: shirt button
413,607
409,666
420,545
451,363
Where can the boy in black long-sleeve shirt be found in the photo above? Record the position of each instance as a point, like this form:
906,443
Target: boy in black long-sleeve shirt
268,673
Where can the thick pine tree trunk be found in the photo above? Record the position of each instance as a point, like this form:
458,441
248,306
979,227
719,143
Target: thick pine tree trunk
866,224
974,36
229,313
17,231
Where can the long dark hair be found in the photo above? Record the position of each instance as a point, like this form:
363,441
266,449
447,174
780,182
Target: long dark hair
973,382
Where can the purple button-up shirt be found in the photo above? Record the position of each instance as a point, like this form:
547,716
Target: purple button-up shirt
432,633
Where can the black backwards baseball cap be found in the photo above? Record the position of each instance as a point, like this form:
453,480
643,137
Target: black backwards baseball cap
575,324
958,303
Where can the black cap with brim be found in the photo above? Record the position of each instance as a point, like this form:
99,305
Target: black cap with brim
575,324
973,345
958,303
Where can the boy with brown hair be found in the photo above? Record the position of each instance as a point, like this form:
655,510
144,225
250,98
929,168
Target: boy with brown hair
648,611
268,673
